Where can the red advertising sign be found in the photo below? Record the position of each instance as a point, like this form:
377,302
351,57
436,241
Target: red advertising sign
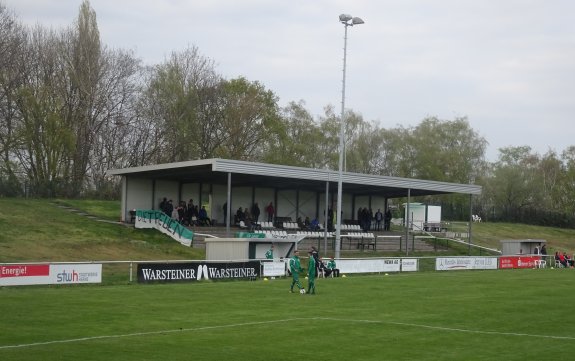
25,270
518,262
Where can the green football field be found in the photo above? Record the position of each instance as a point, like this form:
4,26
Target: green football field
461,315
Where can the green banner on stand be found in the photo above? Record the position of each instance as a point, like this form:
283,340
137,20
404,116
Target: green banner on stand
160,221
249,235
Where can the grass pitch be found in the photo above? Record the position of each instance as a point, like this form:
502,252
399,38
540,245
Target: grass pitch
460,315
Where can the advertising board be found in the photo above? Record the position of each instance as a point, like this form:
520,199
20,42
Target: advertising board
49,274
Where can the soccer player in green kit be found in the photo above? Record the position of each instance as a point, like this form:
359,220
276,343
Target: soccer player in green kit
295,268
311,274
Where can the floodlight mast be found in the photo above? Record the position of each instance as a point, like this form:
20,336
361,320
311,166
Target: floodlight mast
347,20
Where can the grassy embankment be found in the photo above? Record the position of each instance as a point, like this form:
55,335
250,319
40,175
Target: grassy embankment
39,230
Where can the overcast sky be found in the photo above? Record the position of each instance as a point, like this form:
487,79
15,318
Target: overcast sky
507,65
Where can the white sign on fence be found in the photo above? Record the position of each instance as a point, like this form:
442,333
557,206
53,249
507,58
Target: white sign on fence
409,265
274,269
368,265
465,263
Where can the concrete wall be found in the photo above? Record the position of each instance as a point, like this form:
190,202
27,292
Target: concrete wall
263,197
241,197
219,197
223,249
190,191
138,195
167,189
307,204
286,206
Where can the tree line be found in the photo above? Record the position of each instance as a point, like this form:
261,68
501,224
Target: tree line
71,108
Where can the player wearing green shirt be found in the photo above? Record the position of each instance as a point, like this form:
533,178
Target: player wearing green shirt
311,274
295,268
270,253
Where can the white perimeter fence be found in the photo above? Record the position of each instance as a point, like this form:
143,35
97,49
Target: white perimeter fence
122,272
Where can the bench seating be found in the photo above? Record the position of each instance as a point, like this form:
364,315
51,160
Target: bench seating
314,234
364,239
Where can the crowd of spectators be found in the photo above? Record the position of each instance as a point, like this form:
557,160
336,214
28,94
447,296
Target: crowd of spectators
189,214
564,260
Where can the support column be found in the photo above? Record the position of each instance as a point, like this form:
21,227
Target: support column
469,224
228,205
325,217
407,222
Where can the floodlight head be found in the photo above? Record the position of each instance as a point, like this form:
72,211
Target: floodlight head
345,18
357,21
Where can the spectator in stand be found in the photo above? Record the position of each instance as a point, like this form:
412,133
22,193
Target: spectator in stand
182,213
330,217
568,260
270,211
190,211
314,225
255,213
169,209
378,219
248,220
239,215
387,220
194,216
561,258
175,212
365,219
544,250
300,223
164,205
203,217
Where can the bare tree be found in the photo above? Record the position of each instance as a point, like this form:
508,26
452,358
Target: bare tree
182,97
12,49
85,103
45,137
111,145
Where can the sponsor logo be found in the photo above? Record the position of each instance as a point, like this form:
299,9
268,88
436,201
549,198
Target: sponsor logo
203,271
73,276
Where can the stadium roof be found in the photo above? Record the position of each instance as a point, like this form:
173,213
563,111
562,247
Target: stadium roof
250,174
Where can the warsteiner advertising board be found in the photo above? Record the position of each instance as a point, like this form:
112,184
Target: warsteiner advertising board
189,272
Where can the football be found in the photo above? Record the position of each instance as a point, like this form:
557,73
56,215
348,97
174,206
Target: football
302,291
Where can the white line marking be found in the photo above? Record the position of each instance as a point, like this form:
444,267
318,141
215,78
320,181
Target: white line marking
449,329
149,333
